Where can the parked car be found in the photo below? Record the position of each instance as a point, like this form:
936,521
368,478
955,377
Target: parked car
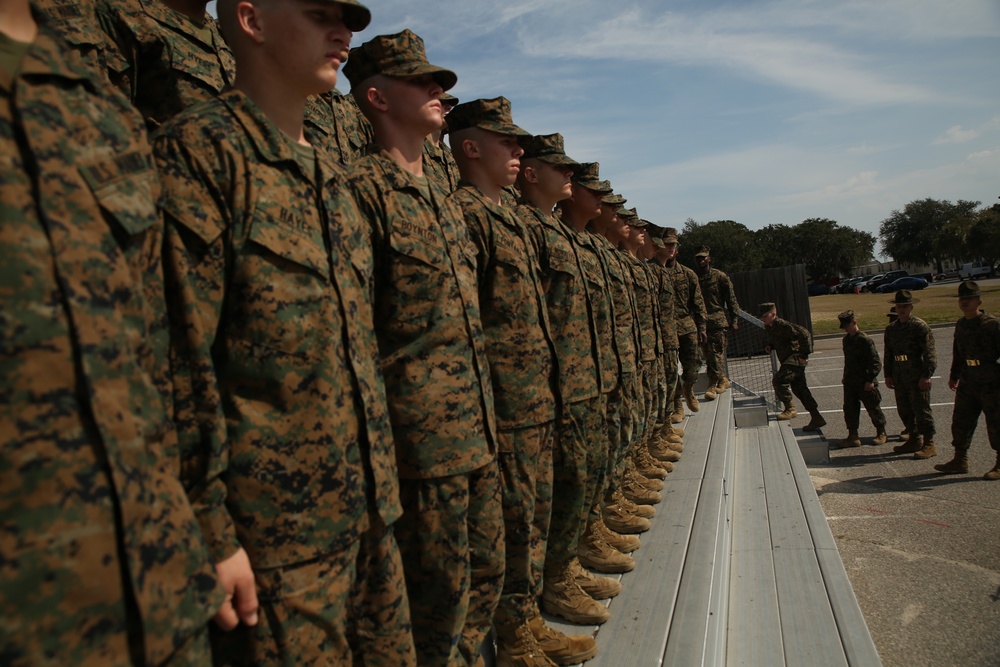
886,278
818,289
906,282
975,270
847,286
865,285
947,275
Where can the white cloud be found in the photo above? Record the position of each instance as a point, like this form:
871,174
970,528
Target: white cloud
956,134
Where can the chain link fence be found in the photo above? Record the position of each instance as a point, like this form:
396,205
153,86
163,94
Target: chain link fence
748,366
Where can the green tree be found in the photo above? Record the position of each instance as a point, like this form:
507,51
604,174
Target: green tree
828,250
984,234
926,231
732,244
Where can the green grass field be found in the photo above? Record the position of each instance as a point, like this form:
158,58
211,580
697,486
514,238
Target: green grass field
938,303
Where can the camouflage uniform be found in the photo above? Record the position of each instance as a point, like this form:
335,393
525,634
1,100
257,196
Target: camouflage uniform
76,23
433,353
645,298
102,559
721,308
627,343
909,356
335,123
523,373
691,317
668,334
793,344
975,365
861,366
582,416
439,166
285,437
165,61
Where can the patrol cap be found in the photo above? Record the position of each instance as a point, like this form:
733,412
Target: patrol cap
549,149
846,318
903,297
657,241
669,235
399,55
892,314
588,176
486,114
613,199
448,99
970,288
639,222
629,215
702,252
356,16
765,308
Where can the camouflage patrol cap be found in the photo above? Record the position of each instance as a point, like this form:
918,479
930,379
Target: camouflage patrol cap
486,114
549,149
588,176
765,308
639,222
628,214
904,297
892,315
399,56
448,99
356,15
669,235
613,199
968,289
846,318
702,252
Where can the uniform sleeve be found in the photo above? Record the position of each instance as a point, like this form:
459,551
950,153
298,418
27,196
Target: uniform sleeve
930,352
956,367
122,46
480,234
729,296
889,359
194,260
697,301
874,365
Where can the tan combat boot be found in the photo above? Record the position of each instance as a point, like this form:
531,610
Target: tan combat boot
852,440
650,483
724,384
816,421
624,543
912,444
789,412
517,647
959,465
678,431
662,452
599,588
644,511
689,397
710,393
563,597
994,473
637,493
560,648
880,438
678,416
927,451
649,467
621,521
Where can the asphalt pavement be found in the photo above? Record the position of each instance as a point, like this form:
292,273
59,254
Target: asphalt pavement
922,549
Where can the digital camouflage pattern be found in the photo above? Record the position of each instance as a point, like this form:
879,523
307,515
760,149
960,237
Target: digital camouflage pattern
620,285
165,61
689,309
428,321
593,262
721,306
334,123
647,308
433,352
95,529
567,299
440,166
909,356
975,366
861,365
76,23
792,344
518,343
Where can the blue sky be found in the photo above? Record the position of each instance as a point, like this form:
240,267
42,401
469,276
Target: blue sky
754,110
